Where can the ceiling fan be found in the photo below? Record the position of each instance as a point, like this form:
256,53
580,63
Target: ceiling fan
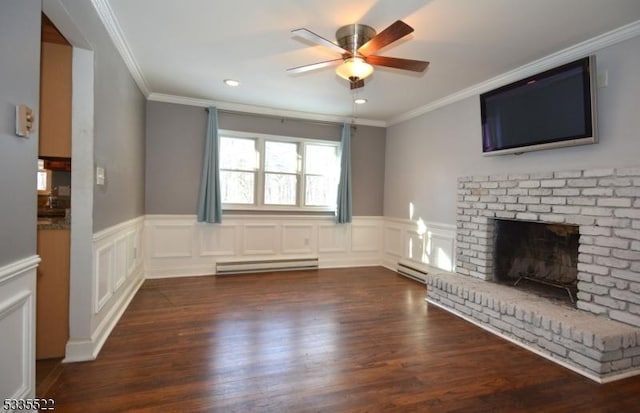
357,43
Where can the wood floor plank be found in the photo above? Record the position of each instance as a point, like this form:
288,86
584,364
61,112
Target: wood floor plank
341,340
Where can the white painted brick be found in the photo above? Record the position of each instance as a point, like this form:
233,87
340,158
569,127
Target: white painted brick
582,183
517,191
626,296
529,200
592,288
516,207
581,200
587,259
586,240
612,262
615,182
626,254
495,207
596,211
566,192
541,192
620,364
554,218
611,242
508,184
539,208
635,224
553,183
562,209
597,192
589,363
627,213
529,184
584,296
626,275
598,172
615,202
567,174
636,203
625,317
596,250
541,175
553,347
635,267
595,230
604,281
635,245
489,185
631,352
586,277
554,200
580,220
631,191
497,192
480,178
523,335
591,307
527,216
505,215
628,233
628,172
614,222
593,269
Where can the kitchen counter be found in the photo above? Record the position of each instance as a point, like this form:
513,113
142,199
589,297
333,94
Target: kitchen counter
53,223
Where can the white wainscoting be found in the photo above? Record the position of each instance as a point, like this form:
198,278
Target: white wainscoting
177,245
17,324
428,243
117,274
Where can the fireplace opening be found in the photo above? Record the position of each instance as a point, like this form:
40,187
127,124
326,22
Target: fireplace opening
538,257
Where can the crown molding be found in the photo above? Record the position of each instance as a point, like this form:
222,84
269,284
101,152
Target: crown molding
555,59
105,13
262,110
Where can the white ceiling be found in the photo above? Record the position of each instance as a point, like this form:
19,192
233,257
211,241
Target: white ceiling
187,48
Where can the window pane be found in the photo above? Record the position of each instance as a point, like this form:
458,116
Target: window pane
320,191
280,189
281,157
237,153
236,187
321,159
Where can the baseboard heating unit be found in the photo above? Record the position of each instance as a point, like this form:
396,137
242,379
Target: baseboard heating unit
235,267
412,270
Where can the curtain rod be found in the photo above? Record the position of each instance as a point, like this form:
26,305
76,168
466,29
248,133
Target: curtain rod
282,118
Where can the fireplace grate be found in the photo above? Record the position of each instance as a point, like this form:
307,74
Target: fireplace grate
544,282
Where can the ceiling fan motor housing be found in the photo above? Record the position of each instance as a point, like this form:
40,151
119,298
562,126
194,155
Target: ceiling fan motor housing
351,37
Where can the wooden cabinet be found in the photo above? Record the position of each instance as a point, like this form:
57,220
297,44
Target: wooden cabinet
52,308
55,100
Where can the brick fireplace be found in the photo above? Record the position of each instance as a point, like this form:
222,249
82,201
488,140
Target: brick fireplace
601,338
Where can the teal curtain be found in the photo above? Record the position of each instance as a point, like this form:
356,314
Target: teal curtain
209,200
343,212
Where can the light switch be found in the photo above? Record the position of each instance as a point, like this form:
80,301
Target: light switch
100,175
24,120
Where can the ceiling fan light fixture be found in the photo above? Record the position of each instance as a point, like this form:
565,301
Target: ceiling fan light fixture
354,68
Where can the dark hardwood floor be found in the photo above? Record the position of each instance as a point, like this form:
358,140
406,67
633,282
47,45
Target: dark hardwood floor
342,340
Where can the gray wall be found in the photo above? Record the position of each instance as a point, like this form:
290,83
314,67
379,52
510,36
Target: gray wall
175,139
19,83
118,125
426,155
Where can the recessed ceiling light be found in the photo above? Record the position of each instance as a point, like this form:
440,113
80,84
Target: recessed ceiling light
360,101
231,82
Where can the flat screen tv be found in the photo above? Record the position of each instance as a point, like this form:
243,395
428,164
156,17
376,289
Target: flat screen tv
552,109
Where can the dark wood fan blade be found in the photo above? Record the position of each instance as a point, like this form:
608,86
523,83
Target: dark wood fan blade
312,37
396,31
356,84
405,64
313,66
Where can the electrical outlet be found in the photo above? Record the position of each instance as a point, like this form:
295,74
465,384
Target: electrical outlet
100,175
603,78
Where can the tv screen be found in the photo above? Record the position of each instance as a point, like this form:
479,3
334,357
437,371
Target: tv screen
551,109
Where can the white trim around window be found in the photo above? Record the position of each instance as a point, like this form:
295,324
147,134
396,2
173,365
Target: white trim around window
301,172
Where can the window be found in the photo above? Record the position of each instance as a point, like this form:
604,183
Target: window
272,172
